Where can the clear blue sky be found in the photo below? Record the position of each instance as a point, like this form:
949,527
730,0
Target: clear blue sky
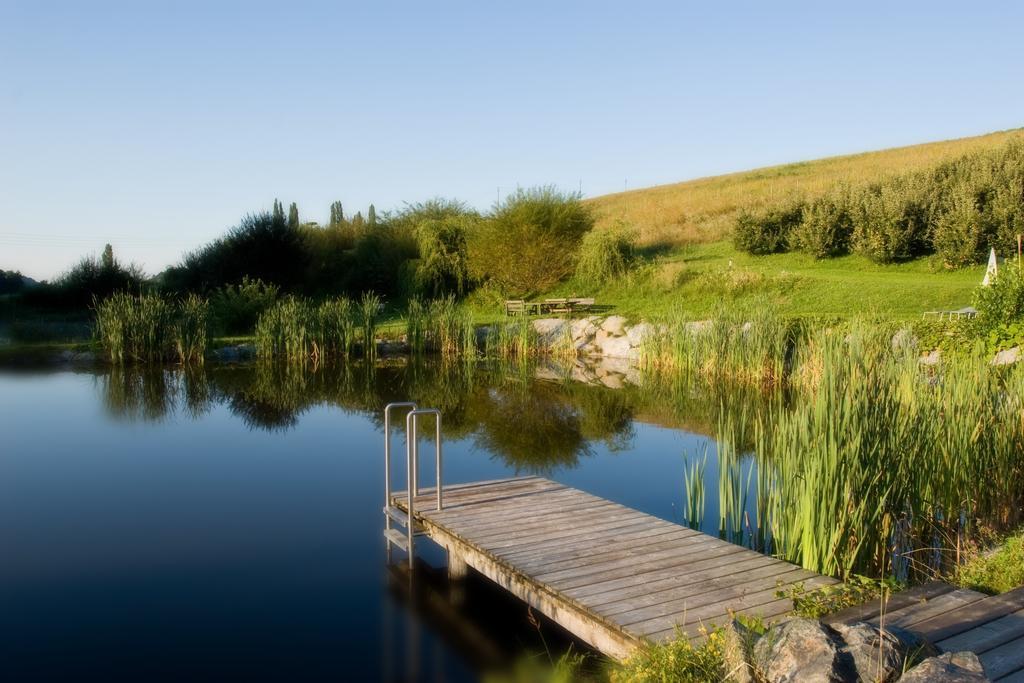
156,125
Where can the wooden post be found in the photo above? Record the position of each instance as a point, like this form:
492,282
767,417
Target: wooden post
457,567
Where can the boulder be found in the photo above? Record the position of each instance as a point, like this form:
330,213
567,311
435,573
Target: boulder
876,654
638,333
615,347
1007,356
904,340
737,643
962,667
583,330
550,331
615,325
802,650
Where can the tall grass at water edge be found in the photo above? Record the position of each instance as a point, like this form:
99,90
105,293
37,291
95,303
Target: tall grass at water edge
150,328
300,330
754,348
441,326
876,465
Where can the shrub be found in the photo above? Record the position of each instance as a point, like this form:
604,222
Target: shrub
377,260
890,222
262,247
827,226
1003,300
997,572
1005,213
443,266
529,243
676,660
236,308
605,255
962,232
767,231
91,278
11,282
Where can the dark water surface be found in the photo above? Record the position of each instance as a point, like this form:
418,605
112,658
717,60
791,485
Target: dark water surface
225,524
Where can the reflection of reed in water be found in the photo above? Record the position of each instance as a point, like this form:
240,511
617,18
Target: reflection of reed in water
151,394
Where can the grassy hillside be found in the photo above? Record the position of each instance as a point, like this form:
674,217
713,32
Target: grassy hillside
700,279
703,210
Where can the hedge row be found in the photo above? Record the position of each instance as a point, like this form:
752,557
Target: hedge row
957,209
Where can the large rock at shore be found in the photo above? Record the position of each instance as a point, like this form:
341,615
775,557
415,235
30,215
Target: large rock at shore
583,331
615,325
879,654
801,650
616,347
550,331
952,667
639,332
1007,356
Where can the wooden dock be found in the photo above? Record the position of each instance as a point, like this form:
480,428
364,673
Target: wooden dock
611,575
617,578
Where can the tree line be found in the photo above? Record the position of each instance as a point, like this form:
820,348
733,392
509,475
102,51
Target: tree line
525,244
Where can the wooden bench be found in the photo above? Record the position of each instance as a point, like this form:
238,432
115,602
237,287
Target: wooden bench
515,307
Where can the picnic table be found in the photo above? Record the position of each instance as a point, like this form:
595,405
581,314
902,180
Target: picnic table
966,312
561,306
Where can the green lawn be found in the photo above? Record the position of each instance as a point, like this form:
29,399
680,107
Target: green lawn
700,279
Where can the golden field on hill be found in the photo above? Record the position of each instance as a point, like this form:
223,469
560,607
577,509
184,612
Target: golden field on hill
703,210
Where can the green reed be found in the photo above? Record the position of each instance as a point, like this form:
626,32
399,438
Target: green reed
416,326
513,340
732,488
751,348
693,487
876,459
299,330
441,326
150,328
369,310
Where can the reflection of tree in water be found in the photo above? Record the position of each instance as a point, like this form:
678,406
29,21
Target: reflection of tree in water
530,424
531,428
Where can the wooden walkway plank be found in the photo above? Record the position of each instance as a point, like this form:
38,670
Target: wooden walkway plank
913,614
896,601
943,626
1004,660
693,576
631,550
987,636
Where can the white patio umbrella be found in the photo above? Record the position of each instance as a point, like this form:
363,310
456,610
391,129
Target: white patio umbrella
993,269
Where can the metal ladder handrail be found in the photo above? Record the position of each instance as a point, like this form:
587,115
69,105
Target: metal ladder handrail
412,462
387,445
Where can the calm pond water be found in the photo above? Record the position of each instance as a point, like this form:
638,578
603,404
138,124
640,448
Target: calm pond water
226,524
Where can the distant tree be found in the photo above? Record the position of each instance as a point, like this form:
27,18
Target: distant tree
337,214
108,257
278,213
293,216
89,279
371,216
358,222
11,282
